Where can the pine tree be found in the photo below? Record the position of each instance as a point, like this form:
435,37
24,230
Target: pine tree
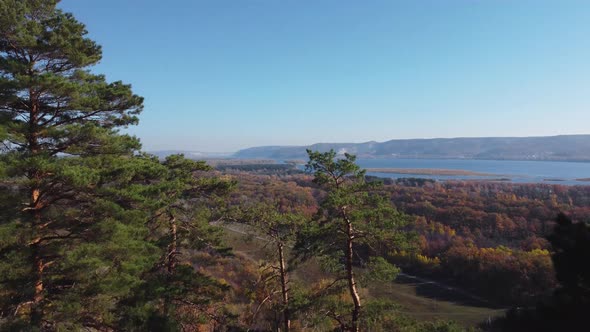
279,226
355,226
67,237
182,198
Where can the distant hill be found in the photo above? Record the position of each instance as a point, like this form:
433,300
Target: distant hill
564,147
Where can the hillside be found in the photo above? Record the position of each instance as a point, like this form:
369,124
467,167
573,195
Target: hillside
565,147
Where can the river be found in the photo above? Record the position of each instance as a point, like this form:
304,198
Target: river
554,172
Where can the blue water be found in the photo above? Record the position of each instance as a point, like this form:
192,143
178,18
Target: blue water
516,171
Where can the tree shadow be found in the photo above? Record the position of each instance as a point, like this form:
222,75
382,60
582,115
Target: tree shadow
443,290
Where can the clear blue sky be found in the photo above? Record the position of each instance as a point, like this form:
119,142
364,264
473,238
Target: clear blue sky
220,75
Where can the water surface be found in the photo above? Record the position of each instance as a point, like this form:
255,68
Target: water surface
555,172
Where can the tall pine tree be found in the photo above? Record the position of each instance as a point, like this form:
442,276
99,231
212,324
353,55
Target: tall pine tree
63,238
354,227
279,226
182,197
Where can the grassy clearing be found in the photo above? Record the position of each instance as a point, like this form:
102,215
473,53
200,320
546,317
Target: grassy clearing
418,301
431,308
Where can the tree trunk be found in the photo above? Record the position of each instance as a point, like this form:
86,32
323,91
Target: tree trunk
173,246
35,208
354,326
170,261
37,305
284,289
37,258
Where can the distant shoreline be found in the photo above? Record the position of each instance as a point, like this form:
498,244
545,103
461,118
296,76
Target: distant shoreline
429,171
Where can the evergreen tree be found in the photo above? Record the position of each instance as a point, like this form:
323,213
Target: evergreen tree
355,226
182,198
68,244
280,227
